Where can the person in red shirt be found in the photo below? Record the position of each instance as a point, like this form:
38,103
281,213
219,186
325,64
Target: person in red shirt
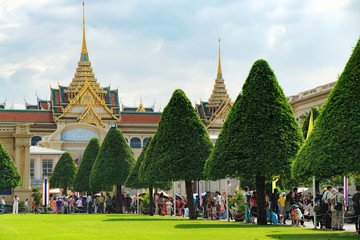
253,209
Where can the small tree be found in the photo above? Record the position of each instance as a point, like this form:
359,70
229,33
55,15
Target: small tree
133,180
179,148
333,145
112,165
82,177
64,173
260,136
9,174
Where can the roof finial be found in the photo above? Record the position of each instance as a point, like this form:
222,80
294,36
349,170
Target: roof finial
84,49
219,67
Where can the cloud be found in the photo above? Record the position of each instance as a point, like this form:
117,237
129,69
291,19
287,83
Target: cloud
150,48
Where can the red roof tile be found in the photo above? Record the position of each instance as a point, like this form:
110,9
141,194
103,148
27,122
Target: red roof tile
140,118
26,116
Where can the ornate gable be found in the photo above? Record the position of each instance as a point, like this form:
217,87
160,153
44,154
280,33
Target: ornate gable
87,100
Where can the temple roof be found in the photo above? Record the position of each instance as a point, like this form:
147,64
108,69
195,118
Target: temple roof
219,93
84,71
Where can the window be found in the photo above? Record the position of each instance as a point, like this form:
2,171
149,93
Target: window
47,167
135,142
32,168
145,141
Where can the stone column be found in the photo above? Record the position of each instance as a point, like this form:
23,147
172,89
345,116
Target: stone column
22,138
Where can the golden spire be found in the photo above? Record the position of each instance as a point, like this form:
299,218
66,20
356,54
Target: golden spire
84,73
83,49
219,67
219,93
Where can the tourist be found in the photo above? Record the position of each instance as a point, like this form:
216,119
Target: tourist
281,203
186,211
297,215
2,205
288,206
208,201
332,207
108,204
356,205
253,204
310,209
72,204
89,203
327,205
128,203
26,206
79,205
274,205
168,207
246,200
16,201
339,213
66,206
59,203
101,204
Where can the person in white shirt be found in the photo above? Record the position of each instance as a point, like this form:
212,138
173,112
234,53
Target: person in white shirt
79,205
2,206
16,201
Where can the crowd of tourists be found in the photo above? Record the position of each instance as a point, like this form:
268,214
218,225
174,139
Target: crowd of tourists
288,208
296,208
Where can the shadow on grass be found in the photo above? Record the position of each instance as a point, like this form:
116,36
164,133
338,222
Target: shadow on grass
324,236
199,226
223,225
141,220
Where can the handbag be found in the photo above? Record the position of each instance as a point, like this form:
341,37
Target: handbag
338,206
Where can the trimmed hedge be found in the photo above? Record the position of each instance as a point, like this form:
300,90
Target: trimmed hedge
82,177
64,172
113,163
9,174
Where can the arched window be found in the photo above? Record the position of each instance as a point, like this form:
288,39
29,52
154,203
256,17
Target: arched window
35,140
145,141
127,140
135,142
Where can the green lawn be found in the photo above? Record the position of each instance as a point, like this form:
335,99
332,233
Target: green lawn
87,227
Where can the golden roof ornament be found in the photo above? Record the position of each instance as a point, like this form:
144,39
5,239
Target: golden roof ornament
84,71
219,93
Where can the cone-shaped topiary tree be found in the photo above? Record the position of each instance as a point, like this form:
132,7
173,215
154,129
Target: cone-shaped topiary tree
260,136
133,180
112,165
333,145
82,177
64,173
9,174
179,148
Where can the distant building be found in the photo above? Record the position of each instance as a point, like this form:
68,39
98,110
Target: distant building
315,97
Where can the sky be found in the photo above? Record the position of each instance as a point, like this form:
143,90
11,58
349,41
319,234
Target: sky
149,48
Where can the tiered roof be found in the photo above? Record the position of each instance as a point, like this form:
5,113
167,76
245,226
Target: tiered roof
218,101
84,72
219,93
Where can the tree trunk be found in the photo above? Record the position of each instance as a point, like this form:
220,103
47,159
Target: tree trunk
190,200
151,212
317,187
118,199
261,203
65,191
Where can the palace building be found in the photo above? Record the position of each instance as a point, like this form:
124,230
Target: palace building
84,109
213,113
74,114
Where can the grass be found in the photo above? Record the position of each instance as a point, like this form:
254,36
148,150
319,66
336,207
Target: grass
113,226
